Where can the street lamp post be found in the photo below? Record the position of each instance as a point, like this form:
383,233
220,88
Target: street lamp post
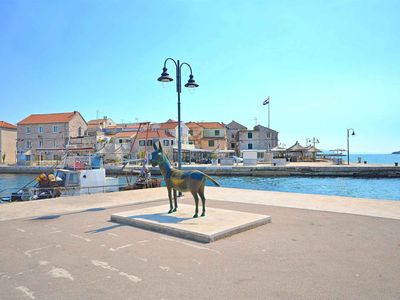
190,84
348,144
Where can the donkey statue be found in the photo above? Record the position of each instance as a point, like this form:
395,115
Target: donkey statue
183,181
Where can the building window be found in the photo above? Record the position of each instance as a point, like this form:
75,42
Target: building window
172,142
40,144
233,145
249,135
216,132
268,135
121,141
27,130
80,131
250,146
149,143
55,129
166,143
210,143
233,135
28,144
142,143
191,131
40,129
54,143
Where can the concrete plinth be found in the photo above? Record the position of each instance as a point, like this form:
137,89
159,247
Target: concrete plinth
217,224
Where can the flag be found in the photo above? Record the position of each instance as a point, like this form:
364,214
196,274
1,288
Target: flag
266,101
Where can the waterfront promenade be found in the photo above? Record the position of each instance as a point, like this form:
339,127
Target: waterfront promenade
315,247
291,169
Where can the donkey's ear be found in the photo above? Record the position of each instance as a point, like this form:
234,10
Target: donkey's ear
159,145
154,146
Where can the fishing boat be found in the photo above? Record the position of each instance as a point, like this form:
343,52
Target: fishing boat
82,172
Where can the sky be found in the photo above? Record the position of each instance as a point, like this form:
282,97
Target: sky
326,65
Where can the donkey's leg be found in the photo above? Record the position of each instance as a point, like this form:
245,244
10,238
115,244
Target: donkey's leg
170,199
175,201
196,200
203,199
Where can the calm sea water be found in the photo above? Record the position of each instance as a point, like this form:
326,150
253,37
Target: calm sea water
386,159
385,188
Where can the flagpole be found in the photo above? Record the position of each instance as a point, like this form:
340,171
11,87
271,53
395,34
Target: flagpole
266,102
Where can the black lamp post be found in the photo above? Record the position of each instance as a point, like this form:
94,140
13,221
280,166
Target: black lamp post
190,84
348,146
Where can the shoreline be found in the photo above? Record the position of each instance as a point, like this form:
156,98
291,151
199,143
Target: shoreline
293,169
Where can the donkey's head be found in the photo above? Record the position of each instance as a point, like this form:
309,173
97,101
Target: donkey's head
157,156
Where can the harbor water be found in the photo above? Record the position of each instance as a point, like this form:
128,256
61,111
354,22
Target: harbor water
376,188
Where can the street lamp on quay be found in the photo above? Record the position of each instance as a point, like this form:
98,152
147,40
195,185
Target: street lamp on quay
348,145
190,84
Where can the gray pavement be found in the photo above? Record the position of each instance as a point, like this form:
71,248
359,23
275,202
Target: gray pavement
77,253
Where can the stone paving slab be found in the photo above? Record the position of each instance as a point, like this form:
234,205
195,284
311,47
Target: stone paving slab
217,224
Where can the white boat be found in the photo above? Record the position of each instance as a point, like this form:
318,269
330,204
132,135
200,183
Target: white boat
81,182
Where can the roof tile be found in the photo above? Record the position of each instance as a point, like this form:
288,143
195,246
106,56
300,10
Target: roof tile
4,124
48,118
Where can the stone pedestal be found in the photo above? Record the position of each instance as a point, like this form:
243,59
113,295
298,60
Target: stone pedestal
217,224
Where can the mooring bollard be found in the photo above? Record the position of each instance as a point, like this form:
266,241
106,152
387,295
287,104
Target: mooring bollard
396,164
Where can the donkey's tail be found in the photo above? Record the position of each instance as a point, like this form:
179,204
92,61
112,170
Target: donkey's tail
212,180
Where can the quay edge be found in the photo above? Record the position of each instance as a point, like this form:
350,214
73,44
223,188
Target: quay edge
269,171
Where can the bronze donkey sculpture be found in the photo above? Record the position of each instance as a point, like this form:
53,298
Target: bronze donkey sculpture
183,181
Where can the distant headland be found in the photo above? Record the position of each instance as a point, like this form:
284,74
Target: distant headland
396,152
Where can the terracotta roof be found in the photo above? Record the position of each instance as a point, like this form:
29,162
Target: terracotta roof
96,121
168,125
4,124
210,125
142,134
125,134
48,118
192,125
154,135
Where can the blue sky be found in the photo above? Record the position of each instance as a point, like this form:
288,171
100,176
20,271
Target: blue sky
327,65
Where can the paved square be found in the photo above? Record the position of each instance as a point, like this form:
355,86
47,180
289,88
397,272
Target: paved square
217,224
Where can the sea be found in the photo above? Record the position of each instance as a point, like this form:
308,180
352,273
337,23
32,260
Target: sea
374,188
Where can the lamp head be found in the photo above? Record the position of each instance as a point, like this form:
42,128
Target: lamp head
165,76
191,83
353,133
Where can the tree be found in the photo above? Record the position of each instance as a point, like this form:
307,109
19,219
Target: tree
4,157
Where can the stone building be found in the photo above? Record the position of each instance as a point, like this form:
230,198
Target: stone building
43,137
98,125
260,138
141,144
171,127
233,129
8,142
208,135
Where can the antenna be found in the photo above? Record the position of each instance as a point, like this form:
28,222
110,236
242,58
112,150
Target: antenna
98,112
255,121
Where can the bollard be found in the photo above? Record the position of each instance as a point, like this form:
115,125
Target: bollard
365,162
396,164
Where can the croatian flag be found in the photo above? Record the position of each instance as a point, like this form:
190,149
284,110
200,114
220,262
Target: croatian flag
266,101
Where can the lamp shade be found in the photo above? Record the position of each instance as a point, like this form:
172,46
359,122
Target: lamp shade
191,83
165,76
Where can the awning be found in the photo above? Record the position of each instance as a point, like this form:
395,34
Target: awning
278,149
29,152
